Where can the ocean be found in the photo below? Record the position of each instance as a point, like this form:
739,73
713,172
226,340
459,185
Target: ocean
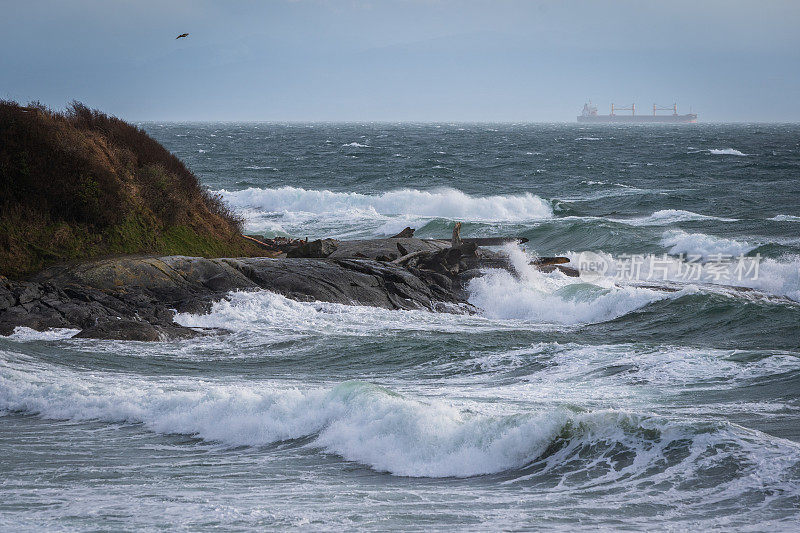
659,391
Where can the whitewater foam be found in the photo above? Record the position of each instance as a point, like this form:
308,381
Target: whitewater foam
554,298
276,316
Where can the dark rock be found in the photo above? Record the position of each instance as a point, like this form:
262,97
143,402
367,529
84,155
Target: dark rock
405,234
7,299
315,249
468,248
134,330
26,292
569,271
542,261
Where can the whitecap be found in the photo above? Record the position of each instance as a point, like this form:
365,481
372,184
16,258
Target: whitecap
665,217
702,245
726,151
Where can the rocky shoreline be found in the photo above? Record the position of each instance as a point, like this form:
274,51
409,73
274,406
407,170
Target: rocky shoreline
135,298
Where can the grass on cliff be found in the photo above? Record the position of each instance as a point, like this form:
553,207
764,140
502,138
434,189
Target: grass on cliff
81,184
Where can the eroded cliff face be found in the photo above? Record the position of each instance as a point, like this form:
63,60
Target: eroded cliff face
135,297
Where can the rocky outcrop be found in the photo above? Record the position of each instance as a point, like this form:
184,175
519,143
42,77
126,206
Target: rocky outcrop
135,298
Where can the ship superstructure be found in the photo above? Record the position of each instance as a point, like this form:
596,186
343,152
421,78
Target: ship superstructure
589,114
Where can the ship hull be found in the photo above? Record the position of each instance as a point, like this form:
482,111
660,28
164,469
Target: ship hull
640,119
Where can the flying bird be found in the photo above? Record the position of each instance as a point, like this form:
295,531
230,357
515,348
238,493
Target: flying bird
182,35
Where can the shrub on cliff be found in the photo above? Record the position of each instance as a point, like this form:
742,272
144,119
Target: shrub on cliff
82,184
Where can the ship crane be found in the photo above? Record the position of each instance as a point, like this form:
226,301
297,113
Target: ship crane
673,108
632,109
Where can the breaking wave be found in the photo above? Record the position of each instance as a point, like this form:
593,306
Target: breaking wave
533,296
388,432
444,203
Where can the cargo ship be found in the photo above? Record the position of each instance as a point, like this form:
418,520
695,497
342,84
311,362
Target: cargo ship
589,114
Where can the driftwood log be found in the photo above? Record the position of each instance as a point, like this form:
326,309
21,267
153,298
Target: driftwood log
456,242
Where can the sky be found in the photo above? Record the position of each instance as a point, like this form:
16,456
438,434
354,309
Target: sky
403,60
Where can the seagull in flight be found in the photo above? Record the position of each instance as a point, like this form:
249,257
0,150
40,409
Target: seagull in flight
182,35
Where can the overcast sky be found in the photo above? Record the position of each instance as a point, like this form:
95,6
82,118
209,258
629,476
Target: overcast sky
414,60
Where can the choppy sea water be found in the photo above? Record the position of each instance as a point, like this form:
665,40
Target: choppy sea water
600,402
